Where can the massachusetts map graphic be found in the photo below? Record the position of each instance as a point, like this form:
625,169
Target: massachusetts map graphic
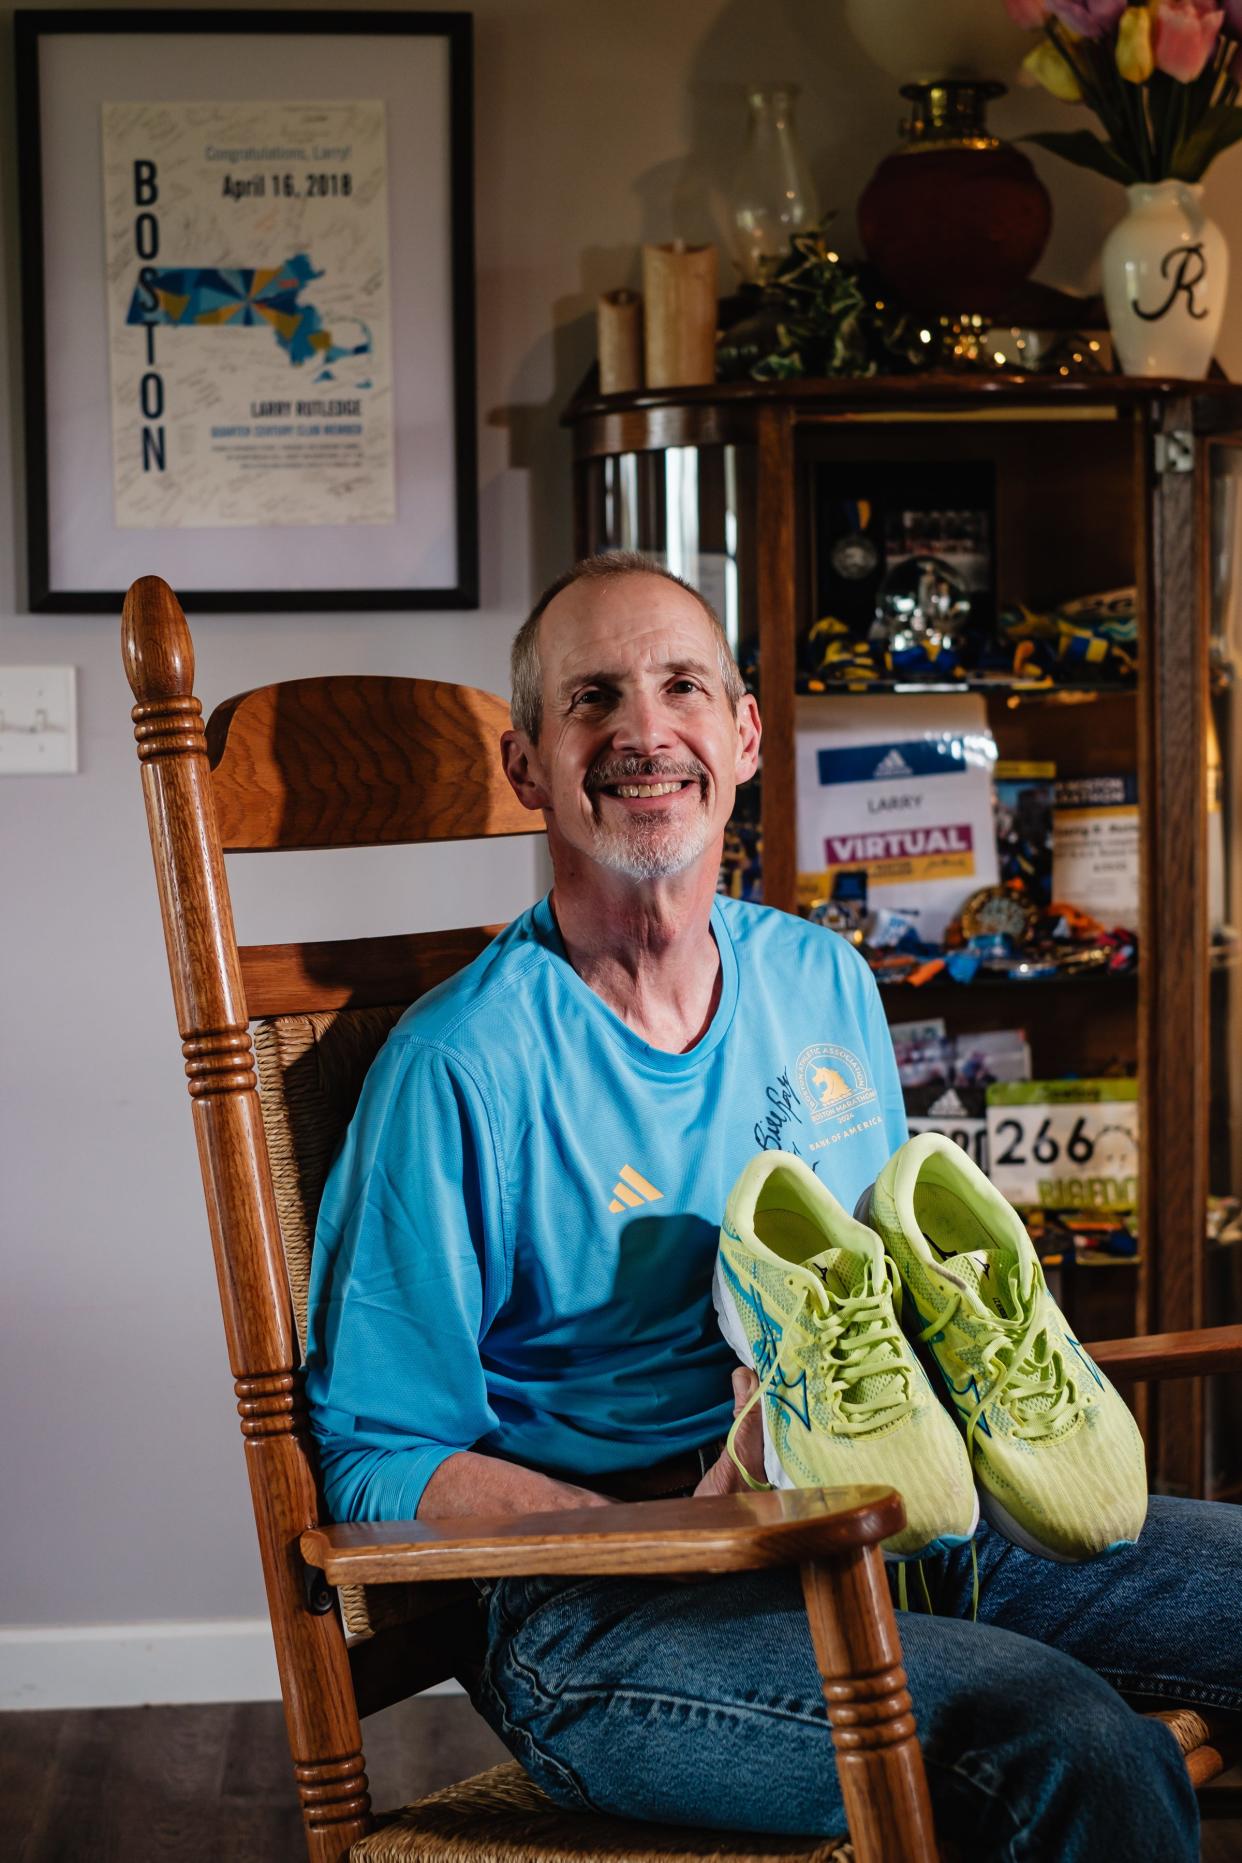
239,298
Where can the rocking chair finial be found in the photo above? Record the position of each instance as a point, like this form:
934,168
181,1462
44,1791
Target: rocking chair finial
155,643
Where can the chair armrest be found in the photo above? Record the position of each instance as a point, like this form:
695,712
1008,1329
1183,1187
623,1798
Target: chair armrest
717,1533
1170,1355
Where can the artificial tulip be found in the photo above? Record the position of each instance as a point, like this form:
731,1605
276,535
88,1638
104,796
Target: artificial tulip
1090,19
1182,37
1031,14
1135,59
1045,65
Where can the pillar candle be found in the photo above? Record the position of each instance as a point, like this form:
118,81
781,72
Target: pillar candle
619,320
679,294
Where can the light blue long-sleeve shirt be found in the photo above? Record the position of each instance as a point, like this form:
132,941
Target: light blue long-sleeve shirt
516,1242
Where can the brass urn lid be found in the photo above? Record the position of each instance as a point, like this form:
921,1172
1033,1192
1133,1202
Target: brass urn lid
949,114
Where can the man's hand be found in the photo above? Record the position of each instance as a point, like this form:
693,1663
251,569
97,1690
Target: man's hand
722,1477
469,1483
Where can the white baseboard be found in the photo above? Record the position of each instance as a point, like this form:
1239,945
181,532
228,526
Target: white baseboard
131,1665
127,1665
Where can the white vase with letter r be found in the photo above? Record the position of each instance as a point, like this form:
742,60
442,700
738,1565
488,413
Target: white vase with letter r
1166,270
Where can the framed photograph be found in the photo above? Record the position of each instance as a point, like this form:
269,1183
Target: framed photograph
248,307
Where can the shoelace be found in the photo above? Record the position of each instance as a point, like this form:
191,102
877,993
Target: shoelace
847,1360
1034,1368
903,1597
903,1593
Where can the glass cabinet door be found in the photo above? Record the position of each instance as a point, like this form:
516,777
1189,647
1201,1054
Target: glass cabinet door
692,509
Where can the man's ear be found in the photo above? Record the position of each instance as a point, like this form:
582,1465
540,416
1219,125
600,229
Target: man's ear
520,763
749,733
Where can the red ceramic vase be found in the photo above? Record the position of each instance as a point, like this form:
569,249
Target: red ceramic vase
954,220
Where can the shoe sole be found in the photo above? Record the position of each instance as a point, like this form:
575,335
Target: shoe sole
774,1469
1005,1524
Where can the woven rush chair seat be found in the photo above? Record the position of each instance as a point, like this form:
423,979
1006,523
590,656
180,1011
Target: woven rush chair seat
501,1816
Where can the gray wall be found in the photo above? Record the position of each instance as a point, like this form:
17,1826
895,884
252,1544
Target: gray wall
598,126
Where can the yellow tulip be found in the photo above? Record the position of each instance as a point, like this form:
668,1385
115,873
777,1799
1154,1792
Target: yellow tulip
1046,66
1135,60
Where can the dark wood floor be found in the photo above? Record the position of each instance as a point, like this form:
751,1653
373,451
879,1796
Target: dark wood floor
150,1785
212,1784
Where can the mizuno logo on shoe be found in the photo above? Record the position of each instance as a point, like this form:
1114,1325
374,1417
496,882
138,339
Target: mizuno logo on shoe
632,1189
765,1345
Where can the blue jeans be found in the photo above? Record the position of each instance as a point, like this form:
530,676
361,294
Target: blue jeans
700,1703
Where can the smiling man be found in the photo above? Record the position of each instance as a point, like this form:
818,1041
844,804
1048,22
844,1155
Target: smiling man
511,1308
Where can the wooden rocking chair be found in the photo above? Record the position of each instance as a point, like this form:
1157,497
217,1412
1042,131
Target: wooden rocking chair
276,1041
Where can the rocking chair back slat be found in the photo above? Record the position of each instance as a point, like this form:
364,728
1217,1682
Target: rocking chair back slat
355,973
360,762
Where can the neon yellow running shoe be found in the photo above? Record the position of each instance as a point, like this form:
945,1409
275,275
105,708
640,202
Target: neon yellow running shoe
1057,1456
805,1296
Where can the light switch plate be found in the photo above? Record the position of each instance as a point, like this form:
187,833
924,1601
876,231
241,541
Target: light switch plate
38,720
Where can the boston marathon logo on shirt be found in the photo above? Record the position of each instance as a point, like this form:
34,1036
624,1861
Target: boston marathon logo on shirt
832,1081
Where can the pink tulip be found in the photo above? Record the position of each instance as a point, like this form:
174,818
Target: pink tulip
1183,35
1090,19
1031,14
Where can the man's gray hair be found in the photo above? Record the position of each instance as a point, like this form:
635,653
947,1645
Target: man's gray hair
526,708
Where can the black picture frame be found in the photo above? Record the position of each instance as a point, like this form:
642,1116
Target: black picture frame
32,30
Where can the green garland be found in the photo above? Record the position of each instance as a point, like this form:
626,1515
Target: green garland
830,319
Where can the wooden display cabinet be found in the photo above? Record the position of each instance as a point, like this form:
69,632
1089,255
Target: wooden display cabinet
1100,482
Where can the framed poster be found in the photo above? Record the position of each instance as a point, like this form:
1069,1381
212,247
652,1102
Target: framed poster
248,307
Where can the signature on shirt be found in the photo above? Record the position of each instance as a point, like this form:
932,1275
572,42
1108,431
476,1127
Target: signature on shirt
771,1132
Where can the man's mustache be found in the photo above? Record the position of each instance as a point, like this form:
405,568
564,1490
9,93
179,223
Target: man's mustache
644,769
